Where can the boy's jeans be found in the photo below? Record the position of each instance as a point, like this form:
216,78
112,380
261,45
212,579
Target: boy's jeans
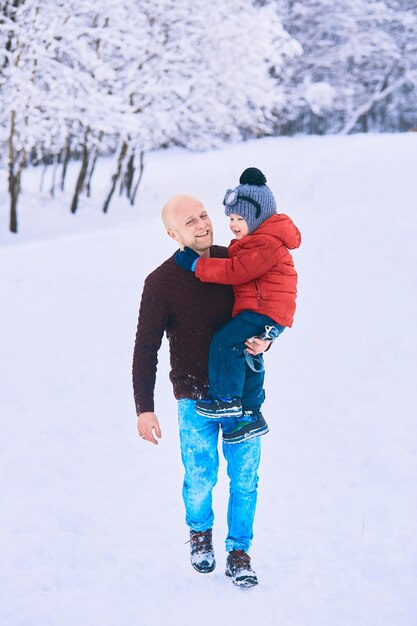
199,439
229,375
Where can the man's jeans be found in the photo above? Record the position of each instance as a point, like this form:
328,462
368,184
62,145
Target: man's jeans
199,440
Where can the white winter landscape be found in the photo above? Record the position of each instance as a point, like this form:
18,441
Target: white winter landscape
92,522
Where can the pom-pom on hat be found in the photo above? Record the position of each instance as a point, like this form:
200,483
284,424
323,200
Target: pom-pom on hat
252,199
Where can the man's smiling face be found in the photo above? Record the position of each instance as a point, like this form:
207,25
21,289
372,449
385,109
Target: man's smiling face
187,222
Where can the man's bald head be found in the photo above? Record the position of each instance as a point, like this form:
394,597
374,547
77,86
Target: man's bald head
177,208
187,222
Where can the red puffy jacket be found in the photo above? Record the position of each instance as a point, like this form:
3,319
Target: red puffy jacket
261,270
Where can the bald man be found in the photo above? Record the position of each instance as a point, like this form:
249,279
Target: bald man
189,312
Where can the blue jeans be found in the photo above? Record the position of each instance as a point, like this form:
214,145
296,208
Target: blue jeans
229,374
200,457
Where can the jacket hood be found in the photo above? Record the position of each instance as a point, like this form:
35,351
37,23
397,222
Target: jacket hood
282,227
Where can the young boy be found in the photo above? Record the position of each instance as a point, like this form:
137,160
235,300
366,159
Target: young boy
261,271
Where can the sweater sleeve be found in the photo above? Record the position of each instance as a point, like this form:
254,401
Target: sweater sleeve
250,263
152,322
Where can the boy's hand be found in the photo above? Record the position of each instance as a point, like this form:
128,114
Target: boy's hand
187,259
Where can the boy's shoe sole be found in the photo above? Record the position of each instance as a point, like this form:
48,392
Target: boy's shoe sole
238,438
219,413
216,410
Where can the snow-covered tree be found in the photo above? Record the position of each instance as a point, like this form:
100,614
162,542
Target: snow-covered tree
49,95
201,73
85,78
358,58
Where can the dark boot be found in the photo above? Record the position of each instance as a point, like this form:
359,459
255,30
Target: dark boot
239,568
201,551
251,424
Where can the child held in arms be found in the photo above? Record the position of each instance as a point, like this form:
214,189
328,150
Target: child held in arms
261,270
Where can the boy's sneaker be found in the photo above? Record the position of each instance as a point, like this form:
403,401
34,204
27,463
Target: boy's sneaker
239,568
201,551
251,424
219,407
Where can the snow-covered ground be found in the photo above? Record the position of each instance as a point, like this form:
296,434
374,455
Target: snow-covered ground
92,529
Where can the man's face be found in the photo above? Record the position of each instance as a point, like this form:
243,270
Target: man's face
192,227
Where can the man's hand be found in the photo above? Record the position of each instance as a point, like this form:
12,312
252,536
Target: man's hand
148,426
254,345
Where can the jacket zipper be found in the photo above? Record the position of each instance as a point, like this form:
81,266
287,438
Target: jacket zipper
258,292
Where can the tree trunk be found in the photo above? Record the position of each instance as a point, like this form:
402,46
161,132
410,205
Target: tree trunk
13,180
42,180
90,175
93,165
141,166
81,177
54,171
65,165
116,176
130,173
14,188
16,158
13,210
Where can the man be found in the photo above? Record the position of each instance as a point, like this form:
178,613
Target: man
189,312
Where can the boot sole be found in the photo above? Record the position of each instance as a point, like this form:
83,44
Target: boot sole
205,570
246,437
225,413
247,581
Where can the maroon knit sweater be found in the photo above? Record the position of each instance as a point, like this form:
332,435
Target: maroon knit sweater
189,311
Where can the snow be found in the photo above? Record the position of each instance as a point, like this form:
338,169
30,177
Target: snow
92,524
320,96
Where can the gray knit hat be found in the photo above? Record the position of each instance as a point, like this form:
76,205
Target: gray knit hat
252,199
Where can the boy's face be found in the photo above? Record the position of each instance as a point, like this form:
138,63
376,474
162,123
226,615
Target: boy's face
238,226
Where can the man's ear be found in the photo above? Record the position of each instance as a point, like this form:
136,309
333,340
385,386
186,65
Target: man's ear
173,234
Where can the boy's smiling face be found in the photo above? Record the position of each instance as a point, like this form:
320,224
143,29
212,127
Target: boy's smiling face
238,226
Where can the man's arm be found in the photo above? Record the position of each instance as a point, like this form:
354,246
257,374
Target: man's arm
150,329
